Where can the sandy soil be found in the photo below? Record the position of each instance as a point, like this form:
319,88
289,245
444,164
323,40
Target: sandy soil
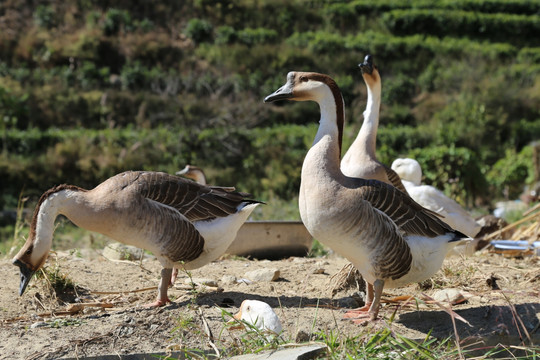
301,297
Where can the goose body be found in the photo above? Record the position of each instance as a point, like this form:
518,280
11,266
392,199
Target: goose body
184,224
360,160
431,198
387,236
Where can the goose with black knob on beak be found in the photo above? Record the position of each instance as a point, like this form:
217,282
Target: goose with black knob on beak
389,238
360,160
184,224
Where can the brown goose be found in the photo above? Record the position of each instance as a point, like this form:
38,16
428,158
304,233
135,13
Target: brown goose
193,172
184,224
387,236
360,160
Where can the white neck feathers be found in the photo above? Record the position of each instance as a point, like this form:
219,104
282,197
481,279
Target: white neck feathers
366,141
328,127
49,209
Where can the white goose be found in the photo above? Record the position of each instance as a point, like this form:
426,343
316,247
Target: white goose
193,172
259,314
360,160
431,198
184,224
387,236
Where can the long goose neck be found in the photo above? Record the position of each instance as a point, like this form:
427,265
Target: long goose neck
51,204
367,137
199,177
330,133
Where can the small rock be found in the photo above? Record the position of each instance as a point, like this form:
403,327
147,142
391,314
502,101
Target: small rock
38,324
266,274
301,336
202,281
244,281
319,271
228,279
118,251
348,303
451,295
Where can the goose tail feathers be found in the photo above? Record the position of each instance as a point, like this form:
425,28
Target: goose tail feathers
459,236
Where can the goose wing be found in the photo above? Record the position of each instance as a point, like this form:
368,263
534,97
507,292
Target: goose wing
394,179
409,216
195,201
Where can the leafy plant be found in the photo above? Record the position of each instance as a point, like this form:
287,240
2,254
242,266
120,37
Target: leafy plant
116,20
44,16
512,172
198,30
56,280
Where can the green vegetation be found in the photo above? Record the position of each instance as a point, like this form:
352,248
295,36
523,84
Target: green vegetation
88,90
383,344
56,281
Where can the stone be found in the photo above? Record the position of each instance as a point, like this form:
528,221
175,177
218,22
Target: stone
118,251
38,324
348,303
302,336
265,274
202,281
450,295
228,279
311,351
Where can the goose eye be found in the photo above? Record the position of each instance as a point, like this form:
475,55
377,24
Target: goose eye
304,79
248,308
28,252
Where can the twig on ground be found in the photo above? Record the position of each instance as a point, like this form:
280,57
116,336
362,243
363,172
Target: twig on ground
123,292
208,332
517,320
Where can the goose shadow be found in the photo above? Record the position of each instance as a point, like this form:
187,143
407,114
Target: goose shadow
231,299
492,324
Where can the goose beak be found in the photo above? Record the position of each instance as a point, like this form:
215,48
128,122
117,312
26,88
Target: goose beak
26,275
238,315
367,65
183,171
283,93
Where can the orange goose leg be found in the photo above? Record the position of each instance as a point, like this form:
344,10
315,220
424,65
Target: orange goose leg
371,308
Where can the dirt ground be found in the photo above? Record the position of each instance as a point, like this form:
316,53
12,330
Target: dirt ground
37,325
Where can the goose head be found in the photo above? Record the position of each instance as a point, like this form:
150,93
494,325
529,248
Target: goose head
260,315
303,86
194,173
408,169
34,252
29,260
370,73
311,86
